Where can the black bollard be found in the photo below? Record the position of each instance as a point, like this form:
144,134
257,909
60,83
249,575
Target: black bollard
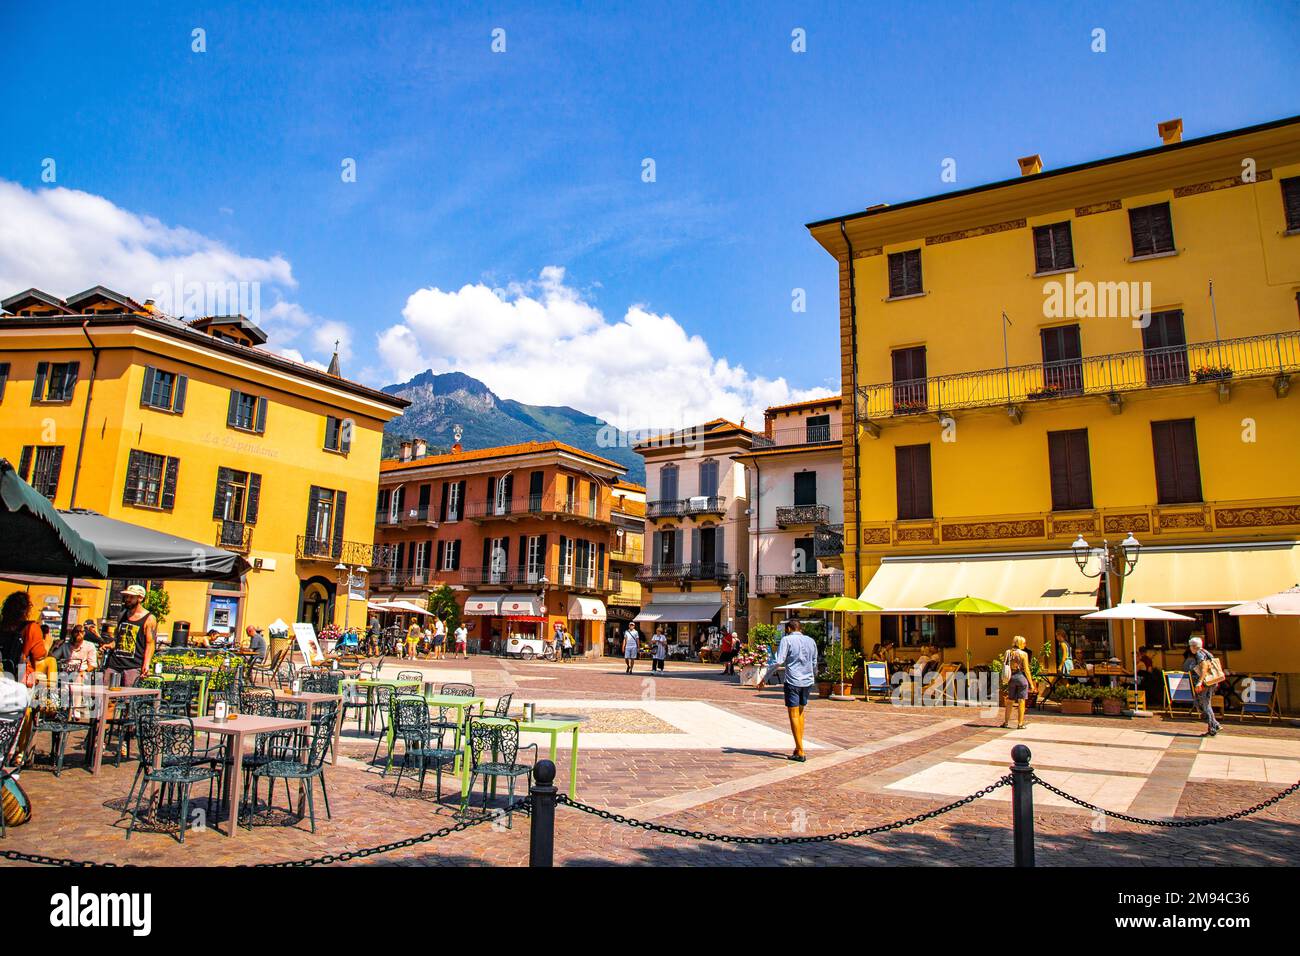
1022,804
541,836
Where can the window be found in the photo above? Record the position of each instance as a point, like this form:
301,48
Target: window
905,273
44,463
918,630
1178,469
1291,202
667,548
1053,247
570,493
709,479
1164,344
536,557
246,412
668,483
237,498
4,379
450,553
593,497
326,509
150,480
1152,230
805,488
55,381
453,498
338,434
566,560
1062,360
912,474
1069,469
909,380
801,558
1219,630
536,481
497,554
500,491
163,390
818,428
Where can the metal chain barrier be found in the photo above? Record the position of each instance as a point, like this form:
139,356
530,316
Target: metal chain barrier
787,840
1173,824
20,857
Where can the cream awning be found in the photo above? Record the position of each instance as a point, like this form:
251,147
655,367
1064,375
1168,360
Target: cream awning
661,613
1048,584
521,605
483,604
1212,577
586,609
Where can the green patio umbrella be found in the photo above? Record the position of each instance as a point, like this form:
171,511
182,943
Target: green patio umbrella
845,605
36,538
968,605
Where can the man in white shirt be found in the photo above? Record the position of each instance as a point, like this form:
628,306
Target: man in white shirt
631,646
439,637
462,641
798,652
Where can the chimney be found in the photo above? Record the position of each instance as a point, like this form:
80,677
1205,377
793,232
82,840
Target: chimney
456,449
421,448
1030,165
406,451
1171,131
456,432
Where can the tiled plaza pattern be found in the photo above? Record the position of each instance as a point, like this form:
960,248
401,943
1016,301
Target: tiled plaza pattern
724,771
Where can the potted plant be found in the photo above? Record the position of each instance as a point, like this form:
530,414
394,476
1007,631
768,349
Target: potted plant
751,664
1213,373
1076,699
841,664
1112,700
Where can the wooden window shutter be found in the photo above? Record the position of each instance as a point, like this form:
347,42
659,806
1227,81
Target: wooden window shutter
167,501
442,508
442,554
491,494
1069,469
677,547
912,479
1178,471
904,273
720,555
345,436
260,425
231,406
522,560
695,546
460,499
487,555
4,379
1188,465
657,550
401,556
38,384
70,381
132,477
1152,229
1080,469
1058,466
1291,203
314,495
146,390
25,462
541,551
455,555
340,509
903,482
219,499
178,393
56,467
254,498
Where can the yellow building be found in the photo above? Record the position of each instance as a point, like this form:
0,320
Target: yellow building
626,554
1084,352
194,429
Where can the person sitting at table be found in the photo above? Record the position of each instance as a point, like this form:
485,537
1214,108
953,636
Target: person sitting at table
21,642
256,643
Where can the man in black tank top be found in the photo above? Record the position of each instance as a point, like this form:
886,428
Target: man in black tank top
133,643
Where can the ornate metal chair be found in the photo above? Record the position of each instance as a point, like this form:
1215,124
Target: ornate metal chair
177,697
411,675
311,768
59,722
446,719
502,708
494,752
167,759
8,737
412,727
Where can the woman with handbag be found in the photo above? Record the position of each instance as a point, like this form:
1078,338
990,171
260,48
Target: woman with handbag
1015,674
21,642
1205,672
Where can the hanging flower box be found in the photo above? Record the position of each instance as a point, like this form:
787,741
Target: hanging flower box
1213,373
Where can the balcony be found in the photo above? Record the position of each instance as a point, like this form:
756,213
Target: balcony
820,585
623,590
386,580
694,571
409,518
668,508
539,506
680,507
828,541
794,435
235,536
796,516
312,548
576,579
1275,356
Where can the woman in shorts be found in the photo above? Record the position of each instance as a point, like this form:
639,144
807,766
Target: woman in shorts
1017,661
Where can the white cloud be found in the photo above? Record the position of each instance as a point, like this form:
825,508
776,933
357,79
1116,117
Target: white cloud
540,342
63,241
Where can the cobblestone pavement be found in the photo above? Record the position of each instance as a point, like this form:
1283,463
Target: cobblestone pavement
752,792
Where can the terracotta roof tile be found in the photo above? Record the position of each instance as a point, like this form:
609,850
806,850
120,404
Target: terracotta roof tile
501,451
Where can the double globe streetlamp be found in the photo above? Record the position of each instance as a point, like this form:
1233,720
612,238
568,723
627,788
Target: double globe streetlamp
1118,559
345,578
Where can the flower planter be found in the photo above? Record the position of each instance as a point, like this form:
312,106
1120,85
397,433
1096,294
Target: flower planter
1077,708
750,676
1214,375
842,690
823,689
1112,707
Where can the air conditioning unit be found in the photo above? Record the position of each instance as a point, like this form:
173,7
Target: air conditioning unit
699,502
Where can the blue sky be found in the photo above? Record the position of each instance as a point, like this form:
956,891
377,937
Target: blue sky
483,169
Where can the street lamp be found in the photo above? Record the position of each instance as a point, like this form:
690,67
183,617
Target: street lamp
728,591
1119,559
345,577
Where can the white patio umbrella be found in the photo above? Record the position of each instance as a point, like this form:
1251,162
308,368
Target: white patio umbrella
1284,603
792,606
407,608
1133,611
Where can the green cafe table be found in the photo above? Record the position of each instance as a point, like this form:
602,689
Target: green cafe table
201,678
539,725
369,684
461,704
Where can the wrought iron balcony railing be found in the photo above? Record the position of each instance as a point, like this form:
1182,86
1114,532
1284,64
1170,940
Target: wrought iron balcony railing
372,556
692,571
795,515
1257,356
544,506
828,434
824,583
667,508
828,541
407,518
235,536
677,507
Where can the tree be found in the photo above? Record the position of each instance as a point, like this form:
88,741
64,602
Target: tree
442,602
158,603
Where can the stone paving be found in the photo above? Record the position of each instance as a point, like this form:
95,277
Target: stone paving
872,764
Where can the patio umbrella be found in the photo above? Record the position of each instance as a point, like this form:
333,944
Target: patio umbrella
1134,612
1284,603
407,607
968,605
845,605
136,552
37,539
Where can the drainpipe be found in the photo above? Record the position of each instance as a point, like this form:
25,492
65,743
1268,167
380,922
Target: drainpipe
758,525
853,375
76,470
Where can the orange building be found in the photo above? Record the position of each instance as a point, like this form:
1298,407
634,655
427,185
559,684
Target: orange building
522,534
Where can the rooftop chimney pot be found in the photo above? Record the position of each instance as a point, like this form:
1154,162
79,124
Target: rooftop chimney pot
421,448
406,451
1030,165
1171,131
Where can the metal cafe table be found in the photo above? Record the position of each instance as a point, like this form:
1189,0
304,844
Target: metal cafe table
552,727
309,700
238,731
370,683
461,704
105,694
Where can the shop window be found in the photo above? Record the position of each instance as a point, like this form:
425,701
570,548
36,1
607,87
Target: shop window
918,630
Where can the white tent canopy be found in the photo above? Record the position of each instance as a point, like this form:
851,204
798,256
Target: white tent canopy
406,607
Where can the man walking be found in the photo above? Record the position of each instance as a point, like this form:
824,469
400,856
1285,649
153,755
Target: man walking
1197,657
462,640
798,652
631,646
132,646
